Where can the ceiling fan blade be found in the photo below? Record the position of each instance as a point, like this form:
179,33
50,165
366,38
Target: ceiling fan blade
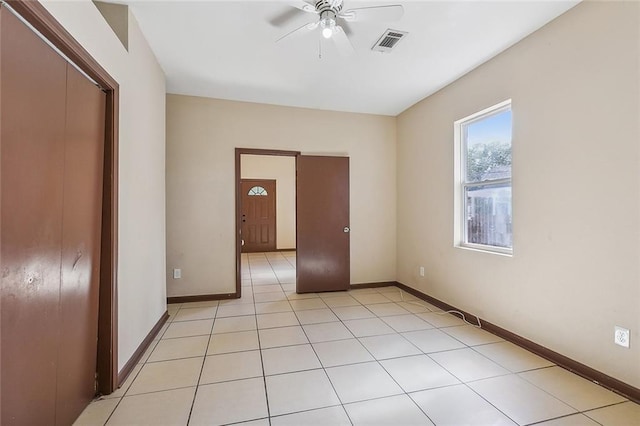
301,30
342,41
378,13
302,5
283,18
347,29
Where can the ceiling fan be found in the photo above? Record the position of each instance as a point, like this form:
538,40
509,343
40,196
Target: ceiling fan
330,16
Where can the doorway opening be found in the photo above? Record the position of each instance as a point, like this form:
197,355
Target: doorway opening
265,206
321,225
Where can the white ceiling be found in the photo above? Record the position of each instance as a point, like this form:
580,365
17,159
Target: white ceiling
227,50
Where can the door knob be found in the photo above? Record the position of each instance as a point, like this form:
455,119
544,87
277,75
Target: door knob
346,229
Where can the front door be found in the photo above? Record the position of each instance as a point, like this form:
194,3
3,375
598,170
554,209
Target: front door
258,215
322,198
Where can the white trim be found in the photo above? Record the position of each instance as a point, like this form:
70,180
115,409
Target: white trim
458,201
487,249
486,183
502,106
461,186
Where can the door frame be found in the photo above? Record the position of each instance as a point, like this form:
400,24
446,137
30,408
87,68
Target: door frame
275,209
39,18
239,153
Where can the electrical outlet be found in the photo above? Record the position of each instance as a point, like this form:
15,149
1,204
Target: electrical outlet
422,271
621,336
177,274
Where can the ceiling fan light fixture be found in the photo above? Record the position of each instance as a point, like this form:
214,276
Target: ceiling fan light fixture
328,26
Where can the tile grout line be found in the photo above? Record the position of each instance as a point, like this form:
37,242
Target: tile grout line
118,403
447,370
264,377
133,379
450,372
320,362
516,374
561,417
405,393
358,339
466,384
324,370
553,396
377,361
366,349
204,360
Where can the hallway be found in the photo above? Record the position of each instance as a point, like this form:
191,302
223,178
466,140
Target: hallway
366,356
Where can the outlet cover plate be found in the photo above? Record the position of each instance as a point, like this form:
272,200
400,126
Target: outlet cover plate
177,274
621,336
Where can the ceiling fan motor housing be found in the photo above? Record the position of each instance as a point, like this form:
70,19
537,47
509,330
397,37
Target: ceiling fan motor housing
332,6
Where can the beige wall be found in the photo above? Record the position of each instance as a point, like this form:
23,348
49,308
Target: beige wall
576,192
201,136
283,170
141,202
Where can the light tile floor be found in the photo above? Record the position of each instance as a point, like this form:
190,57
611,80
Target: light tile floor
367,356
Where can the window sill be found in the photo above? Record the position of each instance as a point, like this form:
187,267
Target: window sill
486,249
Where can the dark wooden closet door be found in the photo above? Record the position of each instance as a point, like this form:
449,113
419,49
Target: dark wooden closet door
81,220
322,211
51,138
32,104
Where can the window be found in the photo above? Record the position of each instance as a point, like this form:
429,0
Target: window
483,180
257,190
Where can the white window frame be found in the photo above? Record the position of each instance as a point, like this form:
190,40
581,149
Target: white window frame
460,150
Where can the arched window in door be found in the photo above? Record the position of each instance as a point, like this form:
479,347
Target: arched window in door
258,190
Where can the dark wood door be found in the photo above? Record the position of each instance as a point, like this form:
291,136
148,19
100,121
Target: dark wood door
32,164
51,177
258,215
81,222
322,200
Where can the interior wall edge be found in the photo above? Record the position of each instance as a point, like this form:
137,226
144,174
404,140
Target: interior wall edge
139,352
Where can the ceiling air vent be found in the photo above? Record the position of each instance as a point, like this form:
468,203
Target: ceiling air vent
389,40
